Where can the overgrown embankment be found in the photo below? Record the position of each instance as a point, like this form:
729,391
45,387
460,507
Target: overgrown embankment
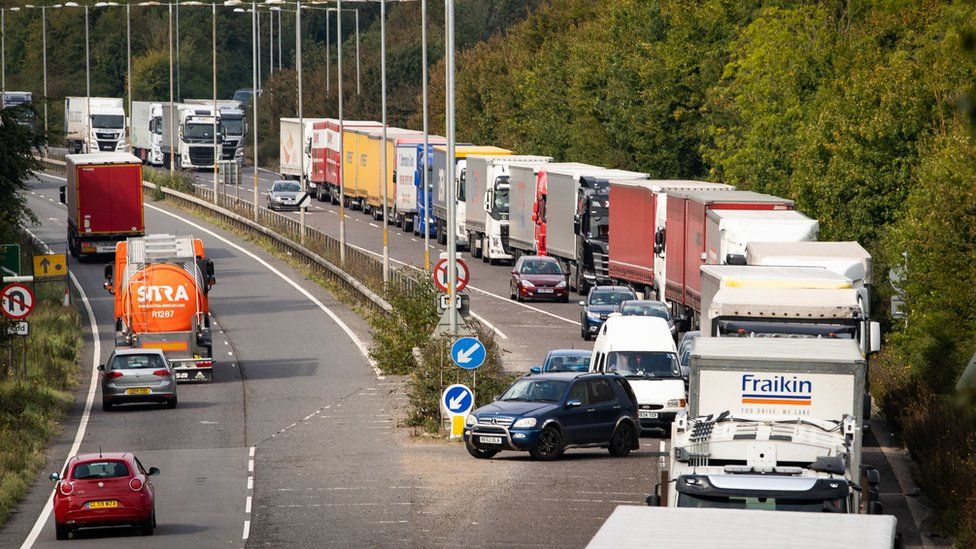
33,402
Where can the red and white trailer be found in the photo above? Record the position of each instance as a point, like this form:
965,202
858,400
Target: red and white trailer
326,154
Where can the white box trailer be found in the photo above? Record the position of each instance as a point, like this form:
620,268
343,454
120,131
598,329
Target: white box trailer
729,231
632,527
523,190
147,131
294,142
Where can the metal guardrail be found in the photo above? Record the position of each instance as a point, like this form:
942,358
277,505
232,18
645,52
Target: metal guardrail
361,275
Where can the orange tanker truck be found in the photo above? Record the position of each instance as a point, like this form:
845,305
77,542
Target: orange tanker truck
161,283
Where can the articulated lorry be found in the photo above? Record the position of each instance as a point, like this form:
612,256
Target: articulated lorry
571,219
101,130
294,143
487,203
688,230
440,183
326,156
22,101
188,138
375,148
413,201
631,527
103,196
638,216
147,132
233,126
161,285
772,424
523,183
361,187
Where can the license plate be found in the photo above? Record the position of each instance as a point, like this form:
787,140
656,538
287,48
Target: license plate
545,290
490,440
105,249
111,504
137,391
643,414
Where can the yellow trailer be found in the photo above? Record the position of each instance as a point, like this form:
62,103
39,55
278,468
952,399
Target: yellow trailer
354,166
374,187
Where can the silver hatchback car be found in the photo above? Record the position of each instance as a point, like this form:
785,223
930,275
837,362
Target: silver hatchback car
137,375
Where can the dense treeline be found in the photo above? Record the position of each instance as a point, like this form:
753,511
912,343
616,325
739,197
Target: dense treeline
848,107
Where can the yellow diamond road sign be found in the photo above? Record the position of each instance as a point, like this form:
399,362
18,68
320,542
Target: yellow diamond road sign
50,266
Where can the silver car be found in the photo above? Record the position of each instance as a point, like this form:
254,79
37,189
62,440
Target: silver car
284,195
137,375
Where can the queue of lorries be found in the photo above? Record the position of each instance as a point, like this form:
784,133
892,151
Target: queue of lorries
769,409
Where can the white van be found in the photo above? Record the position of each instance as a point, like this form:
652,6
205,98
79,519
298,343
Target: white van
642,349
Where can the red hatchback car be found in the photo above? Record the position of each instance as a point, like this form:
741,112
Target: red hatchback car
539,277
105,489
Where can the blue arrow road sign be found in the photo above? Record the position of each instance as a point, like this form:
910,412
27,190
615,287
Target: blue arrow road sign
468,353
457,400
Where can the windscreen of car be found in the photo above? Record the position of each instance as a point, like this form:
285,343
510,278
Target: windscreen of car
199,131
232,126
736,328
763,503
541,267
645,310
535,390
287,187
108,121
568,364
609,298
136,362
643,364
100,469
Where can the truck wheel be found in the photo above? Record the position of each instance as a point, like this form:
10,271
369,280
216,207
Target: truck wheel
408,226
474,245
72,245
441,233
622,441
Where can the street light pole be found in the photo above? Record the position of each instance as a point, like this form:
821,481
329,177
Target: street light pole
385,177
271,42
172,110
301,120
213,53
254,98
359,88
279,41
3,53
87,140
44,62
328,58
179,94
426,155
342,160
128,68
258,34
451,166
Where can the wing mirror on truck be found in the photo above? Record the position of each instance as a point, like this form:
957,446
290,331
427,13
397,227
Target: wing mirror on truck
659,239
209,269
109,275
61,194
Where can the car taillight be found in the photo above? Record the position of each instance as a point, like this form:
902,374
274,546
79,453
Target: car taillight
135,485
205,364
162,373
66,488
113,374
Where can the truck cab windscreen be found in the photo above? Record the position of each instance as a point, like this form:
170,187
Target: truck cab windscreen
500,207
158,126
108,121
644,364
232,126
199,132
816,505
748,328
597,224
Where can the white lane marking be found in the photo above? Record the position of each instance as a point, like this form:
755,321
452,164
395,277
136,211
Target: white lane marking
250,483
491,326
352,336
252,451
247,505
374,225
247,529
83,424
250,466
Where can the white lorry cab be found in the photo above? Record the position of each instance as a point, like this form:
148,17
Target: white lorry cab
642,349
772,424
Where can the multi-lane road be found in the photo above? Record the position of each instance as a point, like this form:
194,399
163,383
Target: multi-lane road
296,443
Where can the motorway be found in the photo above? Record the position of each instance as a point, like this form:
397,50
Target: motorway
296,443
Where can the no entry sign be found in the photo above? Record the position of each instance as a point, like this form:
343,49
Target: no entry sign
440,275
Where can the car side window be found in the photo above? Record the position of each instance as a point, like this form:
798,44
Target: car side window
600,391
578,392
625,387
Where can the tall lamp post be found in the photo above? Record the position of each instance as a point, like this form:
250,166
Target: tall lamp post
450,176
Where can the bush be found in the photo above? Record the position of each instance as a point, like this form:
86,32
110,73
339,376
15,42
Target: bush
395,335
177,180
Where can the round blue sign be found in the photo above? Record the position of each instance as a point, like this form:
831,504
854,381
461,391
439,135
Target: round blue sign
468,353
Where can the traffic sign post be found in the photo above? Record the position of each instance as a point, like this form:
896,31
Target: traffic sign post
462,303
10,264
19,328
50,266
468,353
304,201
457,401
17,301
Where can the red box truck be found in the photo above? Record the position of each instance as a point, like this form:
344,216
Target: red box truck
685,239
104,200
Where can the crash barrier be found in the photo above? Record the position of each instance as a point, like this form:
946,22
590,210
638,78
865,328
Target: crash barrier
360,276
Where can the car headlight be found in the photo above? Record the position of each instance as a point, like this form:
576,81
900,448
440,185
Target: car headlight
527,283
470,420
592,316
524,423
676,403
562,284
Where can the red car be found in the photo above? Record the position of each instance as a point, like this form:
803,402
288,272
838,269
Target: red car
539,277
104,489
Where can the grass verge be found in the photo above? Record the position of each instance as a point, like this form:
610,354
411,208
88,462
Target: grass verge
33,405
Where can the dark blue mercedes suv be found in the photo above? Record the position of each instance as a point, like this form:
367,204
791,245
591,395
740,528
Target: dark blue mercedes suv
547,413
